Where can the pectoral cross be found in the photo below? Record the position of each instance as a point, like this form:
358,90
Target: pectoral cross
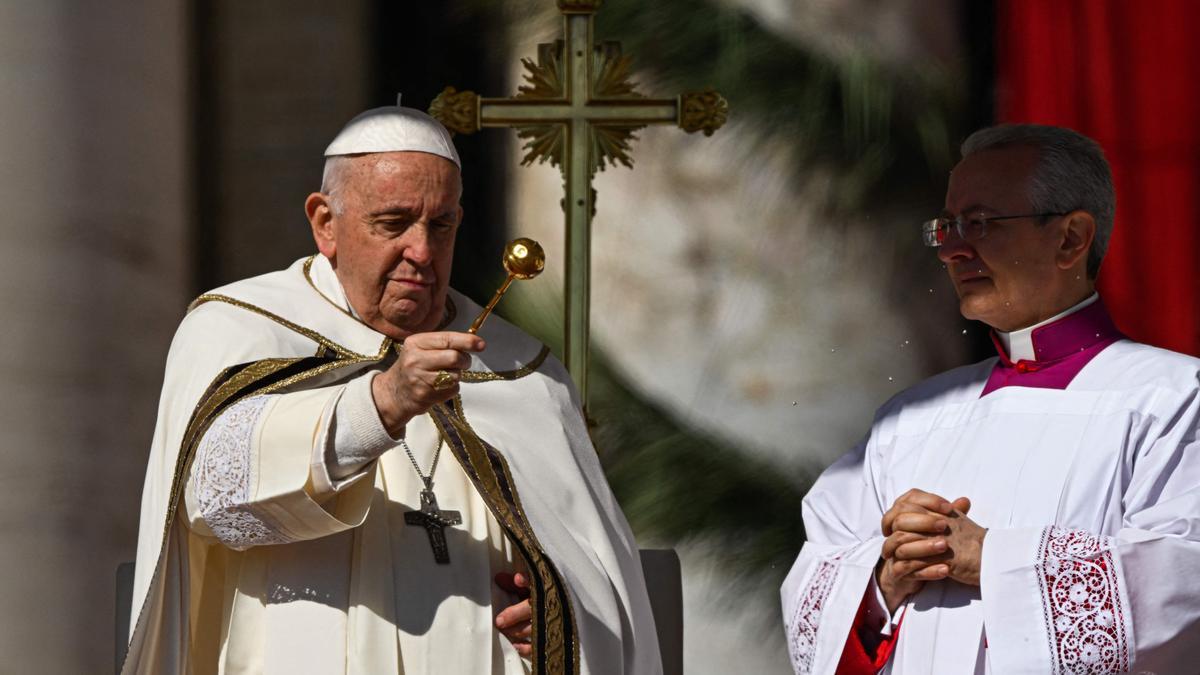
435,523
579,111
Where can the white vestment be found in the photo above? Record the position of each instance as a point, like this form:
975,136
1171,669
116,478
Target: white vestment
251,559
1091,497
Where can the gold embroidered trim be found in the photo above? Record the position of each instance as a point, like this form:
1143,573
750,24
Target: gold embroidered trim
306,332
222,390
448,314
528,368
547,593
451,312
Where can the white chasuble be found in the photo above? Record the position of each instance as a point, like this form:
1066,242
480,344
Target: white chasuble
1091,497
253,560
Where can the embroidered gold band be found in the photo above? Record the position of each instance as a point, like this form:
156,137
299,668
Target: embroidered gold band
294,327
554,632
230,386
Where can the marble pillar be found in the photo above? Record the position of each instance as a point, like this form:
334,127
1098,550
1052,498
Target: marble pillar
93,279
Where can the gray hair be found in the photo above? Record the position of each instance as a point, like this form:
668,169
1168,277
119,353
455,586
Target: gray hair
333,180
1071,174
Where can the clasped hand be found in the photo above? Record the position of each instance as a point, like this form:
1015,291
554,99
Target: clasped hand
927,538
409,387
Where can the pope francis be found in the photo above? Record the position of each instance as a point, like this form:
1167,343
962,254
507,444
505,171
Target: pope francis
344,480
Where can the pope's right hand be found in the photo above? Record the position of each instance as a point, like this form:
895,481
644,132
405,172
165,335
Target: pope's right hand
409,387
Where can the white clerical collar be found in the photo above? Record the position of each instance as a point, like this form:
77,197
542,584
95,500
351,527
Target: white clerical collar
325,280
1019,343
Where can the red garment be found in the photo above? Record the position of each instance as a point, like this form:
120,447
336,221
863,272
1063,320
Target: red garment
1125,74
855,659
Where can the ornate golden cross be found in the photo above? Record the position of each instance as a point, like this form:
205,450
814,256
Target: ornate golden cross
579,110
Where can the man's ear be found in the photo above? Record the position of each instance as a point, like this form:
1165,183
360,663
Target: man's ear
319,210
1078,231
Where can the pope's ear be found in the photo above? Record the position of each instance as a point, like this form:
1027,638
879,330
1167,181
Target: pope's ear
320,216
1079,229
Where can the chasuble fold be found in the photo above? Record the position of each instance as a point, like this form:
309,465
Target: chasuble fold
250,572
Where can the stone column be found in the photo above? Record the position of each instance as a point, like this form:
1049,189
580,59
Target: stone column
93,279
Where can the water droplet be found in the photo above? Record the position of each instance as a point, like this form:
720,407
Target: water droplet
793,403
964,331
1097,335
931,290
833,350
1008,304
891,379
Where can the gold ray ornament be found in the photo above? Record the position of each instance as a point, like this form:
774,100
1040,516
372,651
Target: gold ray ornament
578,109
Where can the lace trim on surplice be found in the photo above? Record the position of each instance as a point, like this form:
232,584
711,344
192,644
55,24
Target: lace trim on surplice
802,630
223,474
1085,620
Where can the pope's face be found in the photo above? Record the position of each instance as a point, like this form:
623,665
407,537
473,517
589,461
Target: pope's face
1008,279
392,243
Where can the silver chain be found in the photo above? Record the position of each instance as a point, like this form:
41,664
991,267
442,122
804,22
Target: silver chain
427,480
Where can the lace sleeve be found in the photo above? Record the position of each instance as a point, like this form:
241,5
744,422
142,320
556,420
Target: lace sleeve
803,624
1084,615
223,474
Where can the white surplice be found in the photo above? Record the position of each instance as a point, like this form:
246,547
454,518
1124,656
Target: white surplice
267,565
1091,497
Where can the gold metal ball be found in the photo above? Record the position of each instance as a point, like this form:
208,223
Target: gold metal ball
524,258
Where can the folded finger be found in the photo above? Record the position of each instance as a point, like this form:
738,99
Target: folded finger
446,340
520,632
507,581
906,568
440,359
888,524
928,500
931,573
923,523
514,615
896,539
922,549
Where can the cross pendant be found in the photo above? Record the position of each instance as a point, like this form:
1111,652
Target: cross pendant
435,523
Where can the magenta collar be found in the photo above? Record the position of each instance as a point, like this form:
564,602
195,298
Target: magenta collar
1061,350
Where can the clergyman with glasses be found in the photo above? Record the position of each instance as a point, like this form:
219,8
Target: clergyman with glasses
1039,511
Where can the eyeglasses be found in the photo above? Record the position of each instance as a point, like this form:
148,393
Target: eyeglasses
934,232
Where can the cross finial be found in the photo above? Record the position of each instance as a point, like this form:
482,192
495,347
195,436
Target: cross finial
578,109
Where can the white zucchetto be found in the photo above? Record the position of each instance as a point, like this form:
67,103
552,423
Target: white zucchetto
393,128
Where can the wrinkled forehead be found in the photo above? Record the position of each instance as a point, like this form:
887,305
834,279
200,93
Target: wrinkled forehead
407,161
995,179
407,170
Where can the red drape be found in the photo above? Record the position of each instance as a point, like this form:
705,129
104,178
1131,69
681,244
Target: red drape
1127,74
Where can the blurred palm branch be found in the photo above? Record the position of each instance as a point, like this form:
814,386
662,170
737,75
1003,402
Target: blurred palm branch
880,132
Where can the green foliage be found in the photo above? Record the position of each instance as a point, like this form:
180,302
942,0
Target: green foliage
881,131
884,129
678,484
